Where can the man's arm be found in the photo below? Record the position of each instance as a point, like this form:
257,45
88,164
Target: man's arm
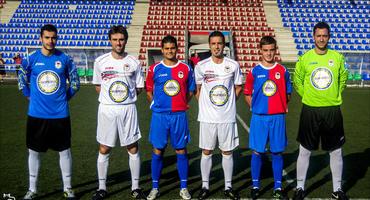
197,94
74,80
238,89
298,78
149,96
248,99
343,75
23,78
97,88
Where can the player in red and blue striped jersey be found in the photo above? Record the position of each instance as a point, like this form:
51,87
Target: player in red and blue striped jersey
267,92
170,85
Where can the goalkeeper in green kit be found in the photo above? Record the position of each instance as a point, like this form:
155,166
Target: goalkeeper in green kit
319,78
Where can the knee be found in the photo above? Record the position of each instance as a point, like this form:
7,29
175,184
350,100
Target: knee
207,152
180,151
133,148
336,152
104,149
158,152
303,151
227,153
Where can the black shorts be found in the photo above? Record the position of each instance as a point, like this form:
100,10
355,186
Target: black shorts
43,134
321,123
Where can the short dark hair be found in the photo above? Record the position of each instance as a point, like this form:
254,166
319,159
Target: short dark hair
118,29
169,39
321,25
266,40
48,27
216,34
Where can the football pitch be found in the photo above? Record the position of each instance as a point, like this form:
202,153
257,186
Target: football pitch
14,170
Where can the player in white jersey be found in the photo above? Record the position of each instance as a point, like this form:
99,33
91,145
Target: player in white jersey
219,81
118,79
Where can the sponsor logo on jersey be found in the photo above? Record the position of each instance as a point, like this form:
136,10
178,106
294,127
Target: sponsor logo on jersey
39,64
118,91
180,74
277,75
331,63
209,77
126,67
313,63
269,88
162,75
171,88
48,82
227,69
321,78
261,76
219,95
58,64
109,75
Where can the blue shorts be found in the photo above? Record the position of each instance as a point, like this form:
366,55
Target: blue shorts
174,125
268,128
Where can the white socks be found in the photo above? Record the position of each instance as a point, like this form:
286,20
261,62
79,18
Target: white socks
205,168
336,166
303,162
228,165
134,162
103,163
65,163
33,169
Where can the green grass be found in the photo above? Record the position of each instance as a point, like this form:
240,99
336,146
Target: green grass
13,152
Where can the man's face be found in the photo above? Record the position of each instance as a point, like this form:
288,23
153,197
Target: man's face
118,43
49,40
321,37
217,46
268,52
169,51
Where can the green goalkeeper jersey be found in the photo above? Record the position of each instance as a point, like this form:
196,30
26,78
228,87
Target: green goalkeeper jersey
320,79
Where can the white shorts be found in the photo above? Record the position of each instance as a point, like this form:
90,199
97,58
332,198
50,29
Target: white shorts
225,133
121,119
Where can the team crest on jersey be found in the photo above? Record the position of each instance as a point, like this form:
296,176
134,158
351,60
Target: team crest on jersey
227,69
180,74
58,64
277,75
126,67
219,95
171,88
269,88
118,91
48,82
331,63
321,78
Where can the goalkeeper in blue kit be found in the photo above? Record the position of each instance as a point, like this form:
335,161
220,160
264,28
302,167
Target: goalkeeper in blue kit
43,80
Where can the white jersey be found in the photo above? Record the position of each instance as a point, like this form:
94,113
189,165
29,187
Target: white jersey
217,95
118,79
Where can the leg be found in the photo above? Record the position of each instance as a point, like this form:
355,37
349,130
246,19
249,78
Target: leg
336,166
256,163
303,162
228,166
277,168
102,165
205,167
65,162
134,163
157,165
182,167
33,167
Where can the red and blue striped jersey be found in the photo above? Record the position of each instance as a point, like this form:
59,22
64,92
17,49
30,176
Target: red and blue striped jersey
170,86
269,88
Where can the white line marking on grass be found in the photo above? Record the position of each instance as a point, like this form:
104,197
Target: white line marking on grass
246,127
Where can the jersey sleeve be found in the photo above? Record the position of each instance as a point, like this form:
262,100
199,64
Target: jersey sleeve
298,78
238,75
343,74
288,82
74,80
149,79
191,81
198,75
248,87
24,77
97,74
139,76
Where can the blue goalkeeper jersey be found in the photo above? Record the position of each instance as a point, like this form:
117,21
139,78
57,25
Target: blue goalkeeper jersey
44,80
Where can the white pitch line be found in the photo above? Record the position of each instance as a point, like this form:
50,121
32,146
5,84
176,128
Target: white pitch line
246,127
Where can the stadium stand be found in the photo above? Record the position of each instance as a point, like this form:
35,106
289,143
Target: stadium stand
245,18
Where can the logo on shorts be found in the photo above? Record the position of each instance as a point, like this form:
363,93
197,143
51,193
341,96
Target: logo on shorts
171,88
118,91
269,88
48,82
219,95
277,75
58,64
321,78
180,74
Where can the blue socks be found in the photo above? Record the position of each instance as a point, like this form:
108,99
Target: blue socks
256,163
277,168
183,168
157,165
